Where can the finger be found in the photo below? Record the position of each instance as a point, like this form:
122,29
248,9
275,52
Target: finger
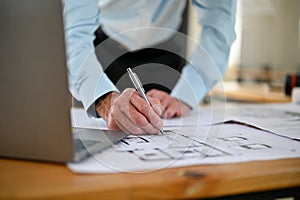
127,93
156,105
164,97
137,123
170,112
172,109
165,102
127,116
145,109
184,109
112,125
176,109
119,119
116,114
128,127
111,121
141,121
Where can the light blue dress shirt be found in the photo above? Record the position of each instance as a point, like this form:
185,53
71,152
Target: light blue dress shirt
206,66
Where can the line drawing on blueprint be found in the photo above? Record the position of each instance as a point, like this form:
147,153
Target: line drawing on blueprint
175,145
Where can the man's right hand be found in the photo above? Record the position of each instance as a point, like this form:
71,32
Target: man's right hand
130,113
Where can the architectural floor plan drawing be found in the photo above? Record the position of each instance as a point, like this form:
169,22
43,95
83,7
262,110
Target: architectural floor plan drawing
171,146
224,143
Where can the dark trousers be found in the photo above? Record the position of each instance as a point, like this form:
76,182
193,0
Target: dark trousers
157,68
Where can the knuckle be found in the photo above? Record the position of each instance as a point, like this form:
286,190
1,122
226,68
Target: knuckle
129,91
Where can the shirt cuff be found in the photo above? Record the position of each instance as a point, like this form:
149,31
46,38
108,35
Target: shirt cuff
190,87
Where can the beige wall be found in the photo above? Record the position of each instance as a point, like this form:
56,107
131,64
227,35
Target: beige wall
267,34
270,34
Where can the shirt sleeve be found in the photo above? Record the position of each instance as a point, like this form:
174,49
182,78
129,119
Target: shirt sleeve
87,81
209,61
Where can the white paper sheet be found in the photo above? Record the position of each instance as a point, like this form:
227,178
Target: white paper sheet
225,143
80,119
281,119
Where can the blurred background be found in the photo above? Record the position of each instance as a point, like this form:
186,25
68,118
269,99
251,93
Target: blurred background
267,47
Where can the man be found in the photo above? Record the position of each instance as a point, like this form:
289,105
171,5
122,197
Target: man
131,24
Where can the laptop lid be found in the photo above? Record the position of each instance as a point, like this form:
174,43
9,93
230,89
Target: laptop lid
35,102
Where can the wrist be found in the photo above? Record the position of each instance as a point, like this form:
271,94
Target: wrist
103,105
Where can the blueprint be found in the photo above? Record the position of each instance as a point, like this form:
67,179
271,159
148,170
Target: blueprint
186,146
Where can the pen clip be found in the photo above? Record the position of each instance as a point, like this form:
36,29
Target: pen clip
136,81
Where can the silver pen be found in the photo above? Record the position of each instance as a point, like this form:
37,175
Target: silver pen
139,87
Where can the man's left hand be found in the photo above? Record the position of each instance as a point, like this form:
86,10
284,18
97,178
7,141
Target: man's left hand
171,107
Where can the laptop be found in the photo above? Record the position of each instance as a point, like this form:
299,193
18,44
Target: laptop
35,102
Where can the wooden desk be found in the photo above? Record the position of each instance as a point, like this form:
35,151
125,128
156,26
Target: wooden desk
249,92
32,180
